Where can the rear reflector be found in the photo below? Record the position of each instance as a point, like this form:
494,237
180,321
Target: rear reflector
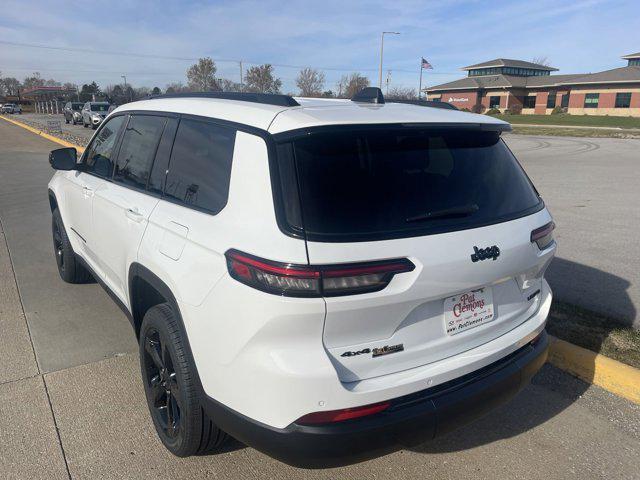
333,416
313,280
543,236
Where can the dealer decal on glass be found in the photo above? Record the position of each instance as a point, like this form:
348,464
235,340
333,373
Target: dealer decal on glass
468,310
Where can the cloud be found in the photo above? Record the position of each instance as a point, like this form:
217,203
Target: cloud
344,36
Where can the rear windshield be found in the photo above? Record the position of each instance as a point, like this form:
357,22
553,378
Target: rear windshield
99,107
368,184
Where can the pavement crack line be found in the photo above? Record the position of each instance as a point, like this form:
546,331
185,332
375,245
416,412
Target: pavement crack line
55,424
33,349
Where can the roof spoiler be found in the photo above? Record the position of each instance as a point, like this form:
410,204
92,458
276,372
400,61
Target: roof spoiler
369,95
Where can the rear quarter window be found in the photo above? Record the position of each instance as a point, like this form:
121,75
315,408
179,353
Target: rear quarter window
200,166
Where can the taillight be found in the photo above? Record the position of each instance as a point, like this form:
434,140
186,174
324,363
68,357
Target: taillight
333,416
313,280
543,236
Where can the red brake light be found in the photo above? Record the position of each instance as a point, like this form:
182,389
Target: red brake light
333,416
543,236
313,280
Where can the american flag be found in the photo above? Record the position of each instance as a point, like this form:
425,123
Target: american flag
426,64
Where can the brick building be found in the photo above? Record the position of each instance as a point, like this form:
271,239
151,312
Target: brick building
516,84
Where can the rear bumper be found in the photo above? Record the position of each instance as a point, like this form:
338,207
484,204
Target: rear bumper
411,419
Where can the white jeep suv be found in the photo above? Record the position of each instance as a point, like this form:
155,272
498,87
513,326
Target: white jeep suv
324,280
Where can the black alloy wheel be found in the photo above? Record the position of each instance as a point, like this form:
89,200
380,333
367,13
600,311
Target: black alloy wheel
170,384
58,246
160,379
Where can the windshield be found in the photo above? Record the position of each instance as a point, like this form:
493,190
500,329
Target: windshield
366,184
99,107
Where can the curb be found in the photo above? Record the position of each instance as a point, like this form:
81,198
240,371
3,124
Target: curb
43,134
616,377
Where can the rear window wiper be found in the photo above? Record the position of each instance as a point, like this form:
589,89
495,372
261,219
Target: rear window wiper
453,212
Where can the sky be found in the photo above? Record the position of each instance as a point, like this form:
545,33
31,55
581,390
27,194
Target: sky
154,42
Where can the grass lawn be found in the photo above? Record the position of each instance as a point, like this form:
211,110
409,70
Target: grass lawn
595,332
573,120
575,132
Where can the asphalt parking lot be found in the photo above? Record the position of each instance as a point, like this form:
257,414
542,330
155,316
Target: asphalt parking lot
72,406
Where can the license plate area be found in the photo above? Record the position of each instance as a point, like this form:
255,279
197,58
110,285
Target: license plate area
468,310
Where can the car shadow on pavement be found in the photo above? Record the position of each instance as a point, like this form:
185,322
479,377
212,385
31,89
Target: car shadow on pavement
551,390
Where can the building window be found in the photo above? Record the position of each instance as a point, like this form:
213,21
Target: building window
634,62
565,100
494,102
623,100
591,100
529,101
551,100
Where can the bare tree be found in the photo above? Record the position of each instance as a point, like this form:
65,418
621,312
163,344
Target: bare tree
34,80
541,60
227,85
355,83
11,85
310,82
261,79
176,87
400,93
202,75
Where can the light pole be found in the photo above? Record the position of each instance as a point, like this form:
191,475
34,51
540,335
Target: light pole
124,77
382,54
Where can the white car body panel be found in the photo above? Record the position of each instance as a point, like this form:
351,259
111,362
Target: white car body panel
275,359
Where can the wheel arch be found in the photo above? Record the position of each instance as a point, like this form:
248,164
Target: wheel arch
53,201
146,290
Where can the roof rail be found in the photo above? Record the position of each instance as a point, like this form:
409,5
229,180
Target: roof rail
264,98
369,95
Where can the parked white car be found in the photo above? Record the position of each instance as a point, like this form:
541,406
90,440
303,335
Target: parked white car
321,279
11,108
93,113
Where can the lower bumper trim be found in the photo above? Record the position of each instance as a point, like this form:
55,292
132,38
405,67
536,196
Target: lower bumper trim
410,420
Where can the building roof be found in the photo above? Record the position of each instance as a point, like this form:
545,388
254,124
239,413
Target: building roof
632,55
310,113
616,75
506,62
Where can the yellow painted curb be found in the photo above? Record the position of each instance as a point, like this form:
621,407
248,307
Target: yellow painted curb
43,134
616,377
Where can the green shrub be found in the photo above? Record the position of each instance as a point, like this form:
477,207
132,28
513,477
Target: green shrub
493,111
556,111
514,110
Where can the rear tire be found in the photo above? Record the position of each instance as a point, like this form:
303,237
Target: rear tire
69,267
171,388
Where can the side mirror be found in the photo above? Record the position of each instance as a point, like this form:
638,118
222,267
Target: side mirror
63,158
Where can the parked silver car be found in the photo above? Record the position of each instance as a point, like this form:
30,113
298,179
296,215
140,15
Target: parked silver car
11,108
72,112
93,113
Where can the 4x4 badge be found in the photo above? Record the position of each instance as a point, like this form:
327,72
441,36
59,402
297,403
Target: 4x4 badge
484,253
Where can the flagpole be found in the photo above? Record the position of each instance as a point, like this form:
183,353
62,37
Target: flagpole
420,87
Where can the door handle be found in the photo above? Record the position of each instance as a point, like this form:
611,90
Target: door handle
88,192
133,214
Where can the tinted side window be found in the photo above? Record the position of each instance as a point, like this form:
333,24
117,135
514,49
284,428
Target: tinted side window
99,156
139,144
161,163
200,166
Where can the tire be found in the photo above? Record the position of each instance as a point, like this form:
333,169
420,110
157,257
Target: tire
66,120
171,387
93,126
69,267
